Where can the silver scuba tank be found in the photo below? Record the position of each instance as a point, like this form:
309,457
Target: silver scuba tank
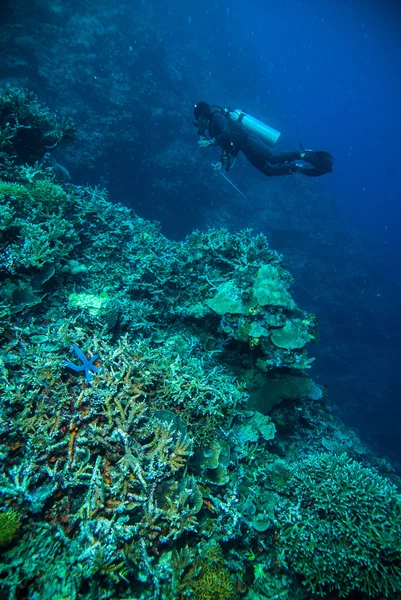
255,127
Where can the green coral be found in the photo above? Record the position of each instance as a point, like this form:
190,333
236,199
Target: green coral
47,195
93,303
6,216
255,426
12,197
213,461
257,331
244,330
278,387
29,199
341,530
13,193
10,522
269,288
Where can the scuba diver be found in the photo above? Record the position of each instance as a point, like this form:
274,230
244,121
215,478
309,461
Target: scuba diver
235,131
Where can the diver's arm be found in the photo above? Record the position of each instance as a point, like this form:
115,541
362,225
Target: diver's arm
219,131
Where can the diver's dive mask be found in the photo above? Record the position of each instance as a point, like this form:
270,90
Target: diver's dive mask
202,125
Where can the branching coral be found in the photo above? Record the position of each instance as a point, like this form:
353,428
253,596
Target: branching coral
341,529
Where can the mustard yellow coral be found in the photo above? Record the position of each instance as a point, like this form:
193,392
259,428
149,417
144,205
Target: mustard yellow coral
10,522
209,578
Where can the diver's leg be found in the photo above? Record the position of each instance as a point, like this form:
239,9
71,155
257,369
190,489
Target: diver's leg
289,169
255,147
263,159
272,170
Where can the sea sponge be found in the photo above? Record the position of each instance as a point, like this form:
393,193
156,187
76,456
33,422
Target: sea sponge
271,289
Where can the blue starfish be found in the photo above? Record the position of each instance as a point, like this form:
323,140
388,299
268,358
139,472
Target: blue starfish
87,365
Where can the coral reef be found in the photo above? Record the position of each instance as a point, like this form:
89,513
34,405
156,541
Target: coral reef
160,477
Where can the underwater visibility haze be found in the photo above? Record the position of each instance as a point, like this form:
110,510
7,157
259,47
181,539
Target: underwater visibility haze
200,243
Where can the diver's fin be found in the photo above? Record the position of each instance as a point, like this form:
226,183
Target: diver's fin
320,159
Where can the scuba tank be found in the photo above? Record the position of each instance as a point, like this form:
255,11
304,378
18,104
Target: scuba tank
253,126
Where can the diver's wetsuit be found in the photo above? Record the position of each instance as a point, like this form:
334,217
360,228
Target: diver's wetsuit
233,139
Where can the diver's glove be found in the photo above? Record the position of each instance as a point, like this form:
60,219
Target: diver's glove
204,143
321,160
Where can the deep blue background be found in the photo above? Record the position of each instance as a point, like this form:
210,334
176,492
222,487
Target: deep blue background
327,73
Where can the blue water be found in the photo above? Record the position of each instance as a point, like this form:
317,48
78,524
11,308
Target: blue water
328,73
